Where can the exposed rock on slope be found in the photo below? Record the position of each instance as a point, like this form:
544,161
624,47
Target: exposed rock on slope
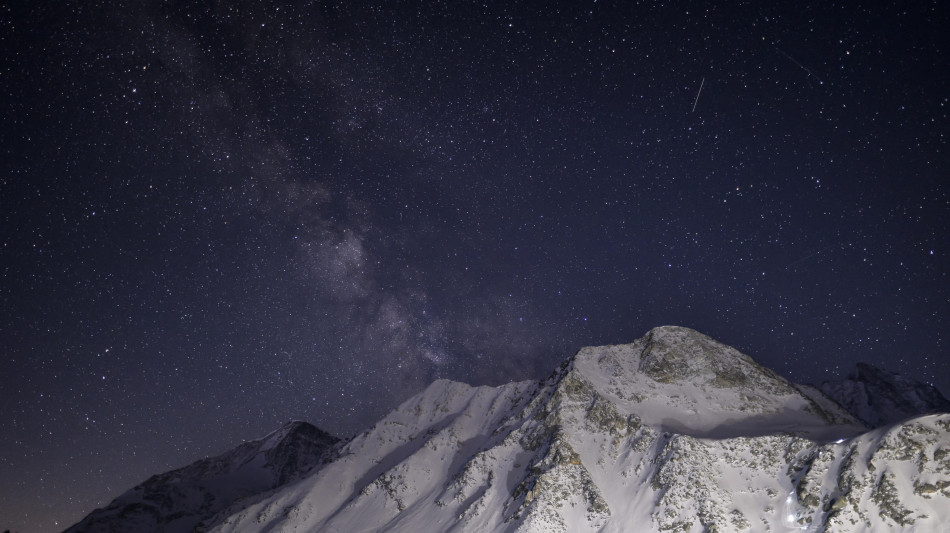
879,397
181,499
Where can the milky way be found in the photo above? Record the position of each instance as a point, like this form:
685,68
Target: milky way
220,216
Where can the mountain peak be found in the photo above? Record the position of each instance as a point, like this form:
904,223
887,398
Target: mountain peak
679,379
673,353
295,430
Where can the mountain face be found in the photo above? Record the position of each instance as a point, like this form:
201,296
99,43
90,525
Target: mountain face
181,499
879,397
674,432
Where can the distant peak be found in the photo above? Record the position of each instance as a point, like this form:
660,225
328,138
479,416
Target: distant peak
879,396
289,427
296,424
868,373
867,370
295,430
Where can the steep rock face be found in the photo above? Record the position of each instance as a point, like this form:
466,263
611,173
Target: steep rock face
674,432
179,500
878,481
884,480
879,397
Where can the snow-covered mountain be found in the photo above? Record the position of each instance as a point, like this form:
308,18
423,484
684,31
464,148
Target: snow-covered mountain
181,499
674,432
879,397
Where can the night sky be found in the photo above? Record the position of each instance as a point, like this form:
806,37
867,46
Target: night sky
216,217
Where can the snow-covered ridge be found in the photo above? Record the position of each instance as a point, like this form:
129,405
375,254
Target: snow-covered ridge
673,432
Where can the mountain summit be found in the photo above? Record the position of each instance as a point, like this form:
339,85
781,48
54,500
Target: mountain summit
673,432
680,380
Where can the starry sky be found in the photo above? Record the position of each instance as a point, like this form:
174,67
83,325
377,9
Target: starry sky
216,217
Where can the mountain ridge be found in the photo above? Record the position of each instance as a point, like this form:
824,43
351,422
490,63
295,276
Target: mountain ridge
673,432
181,499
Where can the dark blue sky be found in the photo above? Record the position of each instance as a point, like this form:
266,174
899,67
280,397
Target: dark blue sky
219,216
